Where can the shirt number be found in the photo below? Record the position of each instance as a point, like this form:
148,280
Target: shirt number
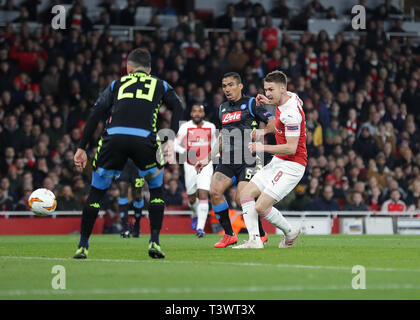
149,84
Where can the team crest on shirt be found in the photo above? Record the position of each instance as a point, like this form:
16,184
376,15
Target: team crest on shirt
243,107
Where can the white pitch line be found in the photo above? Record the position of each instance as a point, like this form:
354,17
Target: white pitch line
239,264
189,290
370,239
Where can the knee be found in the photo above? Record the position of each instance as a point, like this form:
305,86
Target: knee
260,209
191,199
203,195
216,195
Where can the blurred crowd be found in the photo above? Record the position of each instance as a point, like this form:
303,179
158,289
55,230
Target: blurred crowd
361,98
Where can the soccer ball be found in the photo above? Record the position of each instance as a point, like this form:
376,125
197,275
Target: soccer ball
42,202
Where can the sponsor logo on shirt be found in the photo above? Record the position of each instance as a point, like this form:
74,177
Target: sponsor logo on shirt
231,117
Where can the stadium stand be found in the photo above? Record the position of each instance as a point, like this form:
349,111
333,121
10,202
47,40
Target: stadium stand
348,80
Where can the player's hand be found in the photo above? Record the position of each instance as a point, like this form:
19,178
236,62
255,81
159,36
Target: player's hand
80,159
255,147
200,165
261,98
169,152
257,134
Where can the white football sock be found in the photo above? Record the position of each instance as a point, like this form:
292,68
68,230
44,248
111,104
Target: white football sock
274,216
250,216
194,207
202,212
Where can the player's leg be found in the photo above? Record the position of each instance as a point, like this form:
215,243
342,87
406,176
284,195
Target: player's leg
156,211
149,160
107,164
250,216
90,212
123,208
202,212
203,185
190,176
220,182
248,192
138,205
285,175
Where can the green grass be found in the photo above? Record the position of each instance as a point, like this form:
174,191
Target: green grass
317,267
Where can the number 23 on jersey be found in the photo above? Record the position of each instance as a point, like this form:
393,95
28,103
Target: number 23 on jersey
149,85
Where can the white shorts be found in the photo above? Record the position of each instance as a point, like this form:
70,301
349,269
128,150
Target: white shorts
278,177
194,181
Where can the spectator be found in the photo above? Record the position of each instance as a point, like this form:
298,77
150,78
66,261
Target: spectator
270,34
6,201
331,14
196,26
411,96
374,199
23,204
394,204
356,204
326,202
172,195
244,8
168,9
225,20
366,145
301,200
379,170
128,13
66,201
414,194
280,10
238,58
191,46
50,82
9,158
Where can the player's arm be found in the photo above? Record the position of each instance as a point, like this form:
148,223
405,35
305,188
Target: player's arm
100,112
179,141
291,121
173,103
262,114
288,148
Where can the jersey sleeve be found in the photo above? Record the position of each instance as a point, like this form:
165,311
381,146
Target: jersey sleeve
174,103
260,113
213,135
291,120
101,109
219,117
179,141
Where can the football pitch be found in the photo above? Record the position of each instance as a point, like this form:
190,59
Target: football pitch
317,267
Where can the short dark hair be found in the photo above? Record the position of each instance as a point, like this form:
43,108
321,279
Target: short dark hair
140,58
234,75
199,105
277,77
